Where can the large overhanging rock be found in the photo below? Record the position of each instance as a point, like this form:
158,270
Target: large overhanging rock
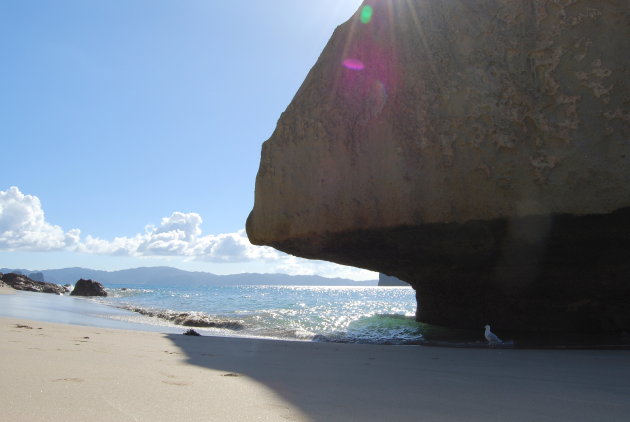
478,149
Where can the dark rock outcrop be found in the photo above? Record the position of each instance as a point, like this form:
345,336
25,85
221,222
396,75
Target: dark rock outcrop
388,280
188,319
479,150
22,282
88,288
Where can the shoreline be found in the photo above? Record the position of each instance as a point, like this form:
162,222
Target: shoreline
73,310
69,372
83,311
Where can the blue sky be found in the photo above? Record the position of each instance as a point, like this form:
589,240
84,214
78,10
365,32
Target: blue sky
131,129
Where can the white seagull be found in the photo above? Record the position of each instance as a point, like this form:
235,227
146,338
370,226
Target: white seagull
491,337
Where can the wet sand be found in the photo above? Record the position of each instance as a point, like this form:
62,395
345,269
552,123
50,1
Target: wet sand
56,372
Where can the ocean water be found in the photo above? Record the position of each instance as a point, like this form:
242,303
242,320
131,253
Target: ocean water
383,315
377,315
73,310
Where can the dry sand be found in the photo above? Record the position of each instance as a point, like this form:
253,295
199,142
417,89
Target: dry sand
6,290
54,372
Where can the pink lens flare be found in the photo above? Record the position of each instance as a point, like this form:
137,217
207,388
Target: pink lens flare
353,64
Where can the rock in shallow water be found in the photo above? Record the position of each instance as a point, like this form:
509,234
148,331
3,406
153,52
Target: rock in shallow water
88,288
479,150
188,318
22,282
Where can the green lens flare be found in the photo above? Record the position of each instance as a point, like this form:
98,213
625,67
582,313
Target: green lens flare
366,14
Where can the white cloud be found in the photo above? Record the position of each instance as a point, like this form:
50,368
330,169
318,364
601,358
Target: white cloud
180,235
121,246
186,226
232,247
23,225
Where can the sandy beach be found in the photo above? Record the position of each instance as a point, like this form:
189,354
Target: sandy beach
6,290
56,372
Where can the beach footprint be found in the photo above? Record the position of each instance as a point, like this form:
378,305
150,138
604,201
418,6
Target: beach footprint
68,380
175,380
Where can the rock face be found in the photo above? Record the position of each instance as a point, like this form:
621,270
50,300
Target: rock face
88,288
22,282
478,149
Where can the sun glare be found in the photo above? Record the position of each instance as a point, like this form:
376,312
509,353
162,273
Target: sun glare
353,64
366,13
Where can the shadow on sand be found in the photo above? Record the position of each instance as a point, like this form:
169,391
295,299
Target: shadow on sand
324,380
353,382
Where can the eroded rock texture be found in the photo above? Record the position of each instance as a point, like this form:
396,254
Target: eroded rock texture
478,149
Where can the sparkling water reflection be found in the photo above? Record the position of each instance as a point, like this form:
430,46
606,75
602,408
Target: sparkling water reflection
352,314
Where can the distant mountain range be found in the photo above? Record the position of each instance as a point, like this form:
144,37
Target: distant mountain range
165,276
